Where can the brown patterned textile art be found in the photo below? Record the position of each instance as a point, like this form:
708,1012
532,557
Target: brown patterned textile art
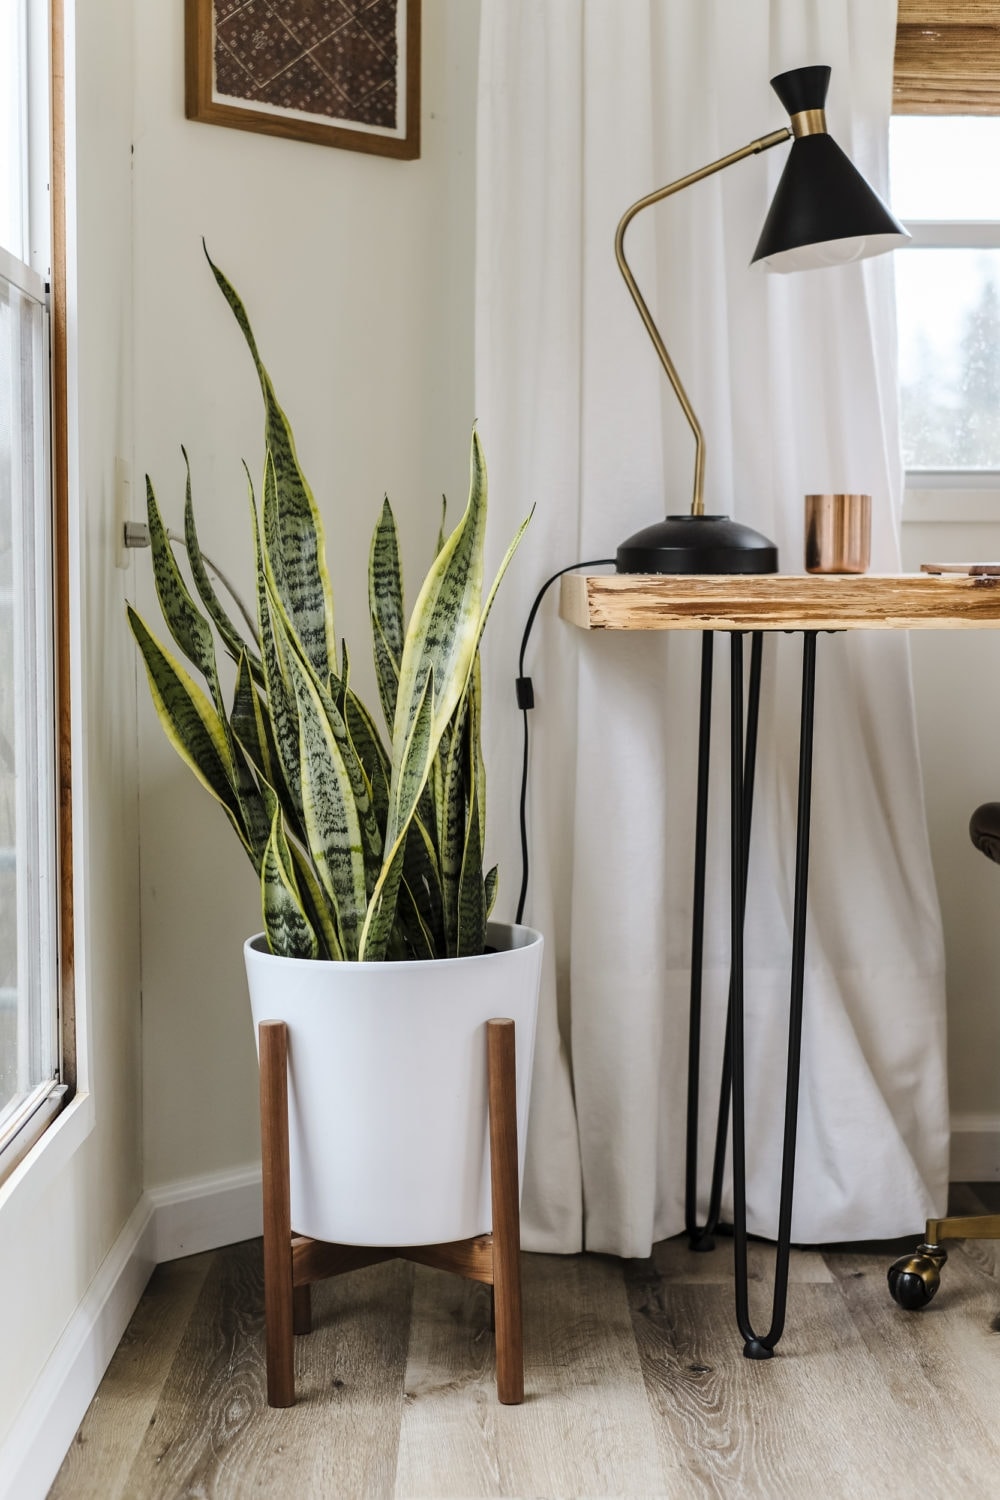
327,57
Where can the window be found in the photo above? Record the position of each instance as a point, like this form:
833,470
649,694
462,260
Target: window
30,1092
946,190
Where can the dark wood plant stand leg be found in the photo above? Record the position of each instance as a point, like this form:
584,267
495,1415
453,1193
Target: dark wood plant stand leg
293,1262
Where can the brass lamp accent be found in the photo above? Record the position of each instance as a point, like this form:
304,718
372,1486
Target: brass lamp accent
823,213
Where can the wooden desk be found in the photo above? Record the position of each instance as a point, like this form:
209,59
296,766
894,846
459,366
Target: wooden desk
780,601
741,605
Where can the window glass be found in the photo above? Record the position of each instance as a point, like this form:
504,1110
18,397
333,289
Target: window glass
945,180
948,309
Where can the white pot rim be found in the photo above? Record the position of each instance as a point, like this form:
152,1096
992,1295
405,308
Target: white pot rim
256,948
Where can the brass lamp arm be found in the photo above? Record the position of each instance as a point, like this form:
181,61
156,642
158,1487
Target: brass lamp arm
764,143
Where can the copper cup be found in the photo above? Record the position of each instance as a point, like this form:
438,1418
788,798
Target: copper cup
838,533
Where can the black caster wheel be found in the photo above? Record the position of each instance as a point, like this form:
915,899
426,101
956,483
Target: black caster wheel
914,1279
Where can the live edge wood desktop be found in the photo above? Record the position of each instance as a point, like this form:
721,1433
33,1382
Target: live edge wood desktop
809,604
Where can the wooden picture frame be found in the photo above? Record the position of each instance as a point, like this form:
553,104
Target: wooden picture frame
335,72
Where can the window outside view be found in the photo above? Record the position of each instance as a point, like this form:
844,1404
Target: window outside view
945,185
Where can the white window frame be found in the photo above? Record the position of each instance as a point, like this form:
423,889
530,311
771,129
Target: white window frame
39,1093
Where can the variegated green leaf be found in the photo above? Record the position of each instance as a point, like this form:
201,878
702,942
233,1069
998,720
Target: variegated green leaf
183,618
423,876
490,887
280,696
231,637
289,931
415,760
249,725
311,896
416,933
385,583
189,721
331,815
441,528
453,812
386,674
316,906
471,924
290,652
444,625
293,529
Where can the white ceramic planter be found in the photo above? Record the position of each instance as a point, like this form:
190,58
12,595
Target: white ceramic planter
387,1098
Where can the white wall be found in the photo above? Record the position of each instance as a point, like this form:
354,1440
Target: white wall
54,1238
358,276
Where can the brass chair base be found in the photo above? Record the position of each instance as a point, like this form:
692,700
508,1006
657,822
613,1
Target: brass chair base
914,1279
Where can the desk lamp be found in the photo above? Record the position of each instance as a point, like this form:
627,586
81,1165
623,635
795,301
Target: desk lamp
823,214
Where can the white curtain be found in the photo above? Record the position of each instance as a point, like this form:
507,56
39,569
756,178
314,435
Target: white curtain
585,105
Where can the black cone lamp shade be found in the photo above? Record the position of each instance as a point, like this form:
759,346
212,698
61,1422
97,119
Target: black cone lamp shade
823,213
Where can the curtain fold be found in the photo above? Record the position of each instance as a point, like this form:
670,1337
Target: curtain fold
584,107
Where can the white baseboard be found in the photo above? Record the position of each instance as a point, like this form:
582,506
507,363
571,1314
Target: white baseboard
183,1218
46,1424
202,1213
975,1148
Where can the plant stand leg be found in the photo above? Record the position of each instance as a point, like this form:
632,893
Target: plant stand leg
278,1295
506,1211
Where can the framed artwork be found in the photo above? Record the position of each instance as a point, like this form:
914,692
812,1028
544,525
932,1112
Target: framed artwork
337,72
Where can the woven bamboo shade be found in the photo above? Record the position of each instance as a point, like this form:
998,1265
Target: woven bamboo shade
947,58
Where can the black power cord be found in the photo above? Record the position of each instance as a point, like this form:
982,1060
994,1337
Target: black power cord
525,702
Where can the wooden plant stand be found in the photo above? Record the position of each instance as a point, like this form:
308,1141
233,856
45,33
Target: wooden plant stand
293,1262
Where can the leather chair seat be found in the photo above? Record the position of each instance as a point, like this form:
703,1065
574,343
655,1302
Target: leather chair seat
984,830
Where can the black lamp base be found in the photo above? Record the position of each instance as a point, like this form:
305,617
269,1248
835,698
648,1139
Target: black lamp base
697,544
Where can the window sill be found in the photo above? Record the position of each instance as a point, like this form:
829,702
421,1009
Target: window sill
49,1155
960,504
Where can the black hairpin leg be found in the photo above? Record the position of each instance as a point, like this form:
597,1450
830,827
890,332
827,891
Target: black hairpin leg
761,1346
700,1237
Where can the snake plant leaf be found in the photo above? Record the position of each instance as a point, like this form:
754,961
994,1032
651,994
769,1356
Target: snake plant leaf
293,528
385,582
189,721
231,638
280,696
414,929
311,896
371,752
453,813
415,761
183,618
251,728
289,647
193,634
470,927
289,931
316,906
490,886
441,637
386,674
477,765
249,725
331,814
441,528
422,876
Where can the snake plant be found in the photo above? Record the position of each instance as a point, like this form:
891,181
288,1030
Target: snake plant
364,849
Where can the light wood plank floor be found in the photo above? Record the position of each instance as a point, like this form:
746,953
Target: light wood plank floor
636,1385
